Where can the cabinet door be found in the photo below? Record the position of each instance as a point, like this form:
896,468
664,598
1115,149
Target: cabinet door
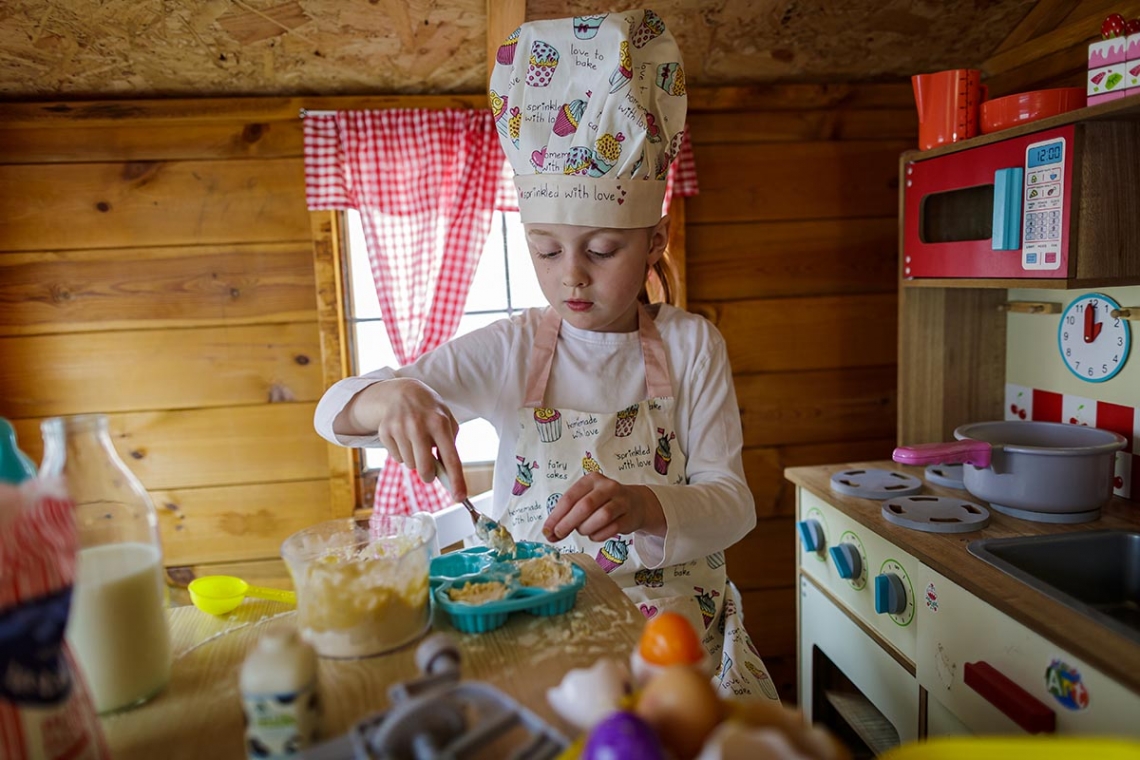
957,632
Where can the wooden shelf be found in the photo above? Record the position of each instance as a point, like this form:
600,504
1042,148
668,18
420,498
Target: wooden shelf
1006,284
1123,109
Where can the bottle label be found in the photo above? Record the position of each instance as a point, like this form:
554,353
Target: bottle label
281,725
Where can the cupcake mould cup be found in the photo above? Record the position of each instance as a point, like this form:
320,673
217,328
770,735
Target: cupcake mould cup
479,565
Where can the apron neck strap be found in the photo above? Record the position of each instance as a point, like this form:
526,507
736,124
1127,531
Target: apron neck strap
657,383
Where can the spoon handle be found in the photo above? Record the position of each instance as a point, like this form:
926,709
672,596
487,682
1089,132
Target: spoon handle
273,594
476,515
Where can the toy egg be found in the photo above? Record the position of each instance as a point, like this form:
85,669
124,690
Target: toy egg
682,707
622,735
587,695
668,639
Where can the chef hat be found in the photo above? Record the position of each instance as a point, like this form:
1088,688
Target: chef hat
590,111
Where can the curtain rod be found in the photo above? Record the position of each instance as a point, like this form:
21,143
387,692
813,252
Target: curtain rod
307,112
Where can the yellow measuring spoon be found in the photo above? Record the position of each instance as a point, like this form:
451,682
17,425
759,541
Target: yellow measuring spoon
219,594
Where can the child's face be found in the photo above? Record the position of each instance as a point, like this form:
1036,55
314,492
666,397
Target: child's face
592,275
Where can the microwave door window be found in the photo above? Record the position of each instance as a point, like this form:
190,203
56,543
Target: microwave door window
957,215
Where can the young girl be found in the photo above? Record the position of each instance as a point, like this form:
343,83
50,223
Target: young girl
619,429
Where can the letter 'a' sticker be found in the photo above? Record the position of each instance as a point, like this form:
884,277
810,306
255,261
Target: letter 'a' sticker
1064,683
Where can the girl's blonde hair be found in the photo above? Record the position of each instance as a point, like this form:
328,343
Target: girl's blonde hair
661,282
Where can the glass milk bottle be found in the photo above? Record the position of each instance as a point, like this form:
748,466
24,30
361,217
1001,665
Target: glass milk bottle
118,627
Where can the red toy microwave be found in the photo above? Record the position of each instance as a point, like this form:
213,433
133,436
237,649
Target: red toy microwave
1007,209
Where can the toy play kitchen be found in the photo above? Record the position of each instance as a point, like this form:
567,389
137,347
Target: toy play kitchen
922,613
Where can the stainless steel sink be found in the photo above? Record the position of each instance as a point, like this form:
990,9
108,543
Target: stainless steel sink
1096,573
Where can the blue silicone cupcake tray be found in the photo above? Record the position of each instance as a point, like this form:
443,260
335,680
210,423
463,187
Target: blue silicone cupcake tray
480,565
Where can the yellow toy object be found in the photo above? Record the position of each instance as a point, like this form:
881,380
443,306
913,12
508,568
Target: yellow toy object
219,594
1016,748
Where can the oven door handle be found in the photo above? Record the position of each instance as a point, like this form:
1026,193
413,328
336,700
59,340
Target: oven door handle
1016,703
1007,209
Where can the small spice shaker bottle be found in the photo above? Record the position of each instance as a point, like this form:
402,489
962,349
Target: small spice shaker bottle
279,695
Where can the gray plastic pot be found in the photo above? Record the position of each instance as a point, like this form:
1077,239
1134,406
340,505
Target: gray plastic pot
1044,471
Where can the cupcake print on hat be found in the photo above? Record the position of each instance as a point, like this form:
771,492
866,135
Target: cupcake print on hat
624,71
506,54
613,554
499,112
671,78
586,27
569,116
543,62
514,124
650,28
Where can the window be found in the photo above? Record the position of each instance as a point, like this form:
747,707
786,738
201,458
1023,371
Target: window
504,284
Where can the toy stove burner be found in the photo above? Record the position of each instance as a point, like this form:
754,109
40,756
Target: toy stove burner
936,514
875,484
949,475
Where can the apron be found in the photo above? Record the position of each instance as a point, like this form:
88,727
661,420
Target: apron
635,445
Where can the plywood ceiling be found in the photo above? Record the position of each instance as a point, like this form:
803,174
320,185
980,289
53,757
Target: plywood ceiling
153,48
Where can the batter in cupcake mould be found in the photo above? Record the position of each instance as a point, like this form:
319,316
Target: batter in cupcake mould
655,488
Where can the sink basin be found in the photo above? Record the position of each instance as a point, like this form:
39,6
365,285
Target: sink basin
1096,573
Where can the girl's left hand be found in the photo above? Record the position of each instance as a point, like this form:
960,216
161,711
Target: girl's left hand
601,508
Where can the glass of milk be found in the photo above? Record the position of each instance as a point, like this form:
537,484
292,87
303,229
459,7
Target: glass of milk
117,627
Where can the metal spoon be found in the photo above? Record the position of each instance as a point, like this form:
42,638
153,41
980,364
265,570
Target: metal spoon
492,533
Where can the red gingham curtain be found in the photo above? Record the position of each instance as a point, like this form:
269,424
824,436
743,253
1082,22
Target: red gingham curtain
425,183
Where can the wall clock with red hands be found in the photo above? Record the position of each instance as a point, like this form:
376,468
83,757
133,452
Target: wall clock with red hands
1094,344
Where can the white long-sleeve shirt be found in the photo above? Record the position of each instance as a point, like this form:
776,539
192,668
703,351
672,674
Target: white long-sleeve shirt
483,374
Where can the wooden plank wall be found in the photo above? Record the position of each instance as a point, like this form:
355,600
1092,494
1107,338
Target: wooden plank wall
158,264
791,248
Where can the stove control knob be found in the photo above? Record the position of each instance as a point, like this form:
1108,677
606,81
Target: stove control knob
811,534
890,594
847,560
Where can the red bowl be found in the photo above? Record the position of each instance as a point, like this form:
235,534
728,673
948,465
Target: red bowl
1024,107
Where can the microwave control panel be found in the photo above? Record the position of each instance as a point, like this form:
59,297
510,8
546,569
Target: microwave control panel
1042,204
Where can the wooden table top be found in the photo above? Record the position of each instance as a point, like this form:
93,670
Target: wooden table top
199,714
946,553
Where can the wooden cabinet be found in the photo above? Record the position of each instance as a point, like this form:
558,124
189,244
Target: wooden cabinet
952,332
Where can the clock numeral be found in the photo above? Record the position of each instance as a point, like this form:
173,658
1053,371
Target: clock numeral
1104,369
1076,365
1116,359
1066,335
1120,341
1068,351
1072,320
1090,371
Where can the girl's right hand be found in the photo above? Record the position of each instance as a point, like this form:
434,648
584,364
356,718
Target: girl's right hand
412,423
